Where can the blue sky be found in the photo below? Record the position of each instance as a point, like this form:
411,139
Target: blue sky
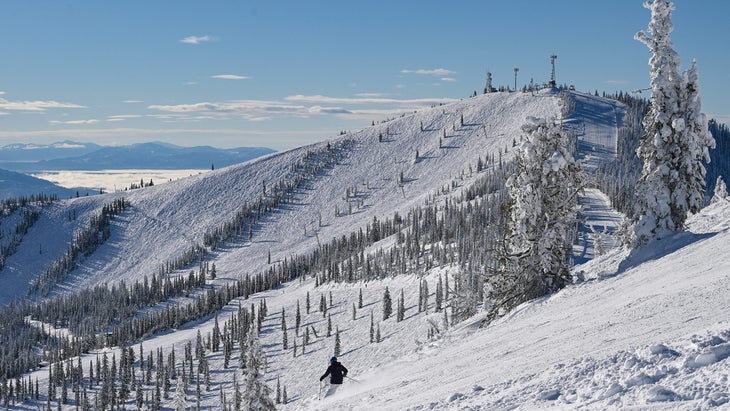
286,73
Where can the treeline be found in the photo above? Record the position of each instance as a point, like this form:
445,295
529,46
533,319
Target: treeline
618,178
460,231
110,316
142,184
720,164
10,205
85,242
28,218
309,166
30,215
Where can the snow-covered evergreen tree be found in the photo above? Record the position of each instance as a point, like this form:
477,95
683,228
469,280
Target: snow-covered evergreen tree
698,139
257,395
543,209
338,344
387,304
372,328
720,190
180,400
278,391
401,309
676,138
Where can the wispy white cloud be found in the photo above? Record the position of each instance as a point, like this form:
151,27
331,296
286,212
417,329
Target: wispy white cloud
448,79
132,101
122,117
75,122
190,83
371,95
429,72
250,109
328,110
198,39
284,138
423,102
34,105
297,106
230,77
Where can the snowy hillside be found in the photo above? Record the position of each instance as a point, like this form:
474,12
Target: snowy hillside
13,185
649,333
644,331
167,220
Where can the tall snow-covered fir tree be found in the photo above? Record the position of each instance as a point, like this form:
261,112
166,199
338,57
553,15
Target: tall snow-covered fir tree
535,253
180,400
257,395
676,138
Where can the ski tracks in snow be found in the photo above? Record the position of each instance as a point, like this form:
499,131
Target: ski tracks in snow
595,122
599,226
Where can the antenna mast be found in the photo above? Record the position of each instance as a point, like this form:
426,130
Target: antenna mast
552,74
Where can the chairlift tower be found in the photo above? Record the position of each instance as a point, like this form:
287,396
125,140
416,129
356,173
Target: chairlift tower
516,70
553,83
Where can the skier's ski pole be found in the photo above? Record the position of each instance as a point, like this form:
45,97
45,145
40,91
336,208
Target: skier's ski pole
319,397
350,378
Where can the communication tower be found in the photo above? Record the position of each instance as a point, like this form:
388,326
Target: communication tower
552,74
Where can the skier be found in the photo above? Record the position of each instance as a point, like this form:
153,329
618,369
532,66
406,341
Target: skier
337,372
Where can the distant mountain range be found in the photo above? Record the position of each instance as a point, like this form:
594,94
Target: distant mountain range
70,155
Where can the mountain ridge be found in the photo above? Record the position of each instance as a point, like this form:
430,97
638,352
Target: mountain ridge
69,155
13,185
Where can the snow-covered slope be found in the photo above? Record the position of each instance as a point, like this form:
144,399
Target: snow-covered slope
650,334
14,185
645,331
167,220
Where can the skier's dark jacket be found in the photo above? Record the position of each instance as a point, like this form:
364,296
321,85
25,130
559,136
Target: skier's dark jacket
336,371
